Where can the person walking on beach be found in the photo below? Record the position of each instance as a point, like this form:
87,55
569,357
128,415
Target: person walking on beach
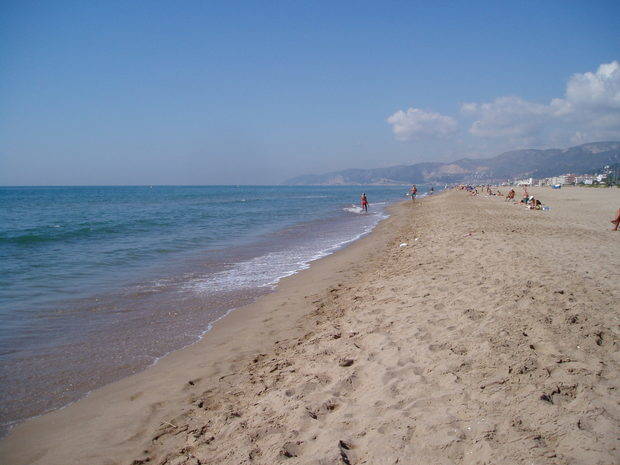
364,200
432,191
413,191
616,221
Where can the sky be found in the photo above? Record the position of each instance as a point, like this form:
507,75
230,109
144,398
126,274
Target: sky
209,92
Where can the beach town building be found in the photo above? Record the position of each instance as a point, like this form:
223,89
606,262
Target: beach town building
525,182
570,179
562,180
587,179
567,179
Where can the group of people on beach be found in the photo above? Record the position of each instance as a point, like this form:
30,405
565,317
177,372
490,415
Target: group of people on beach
527,199
473,190
530,201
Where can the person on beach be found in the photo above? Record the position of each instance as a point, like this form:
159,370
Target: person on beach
431,191
616,221
511,194
364,200
413,191
535,204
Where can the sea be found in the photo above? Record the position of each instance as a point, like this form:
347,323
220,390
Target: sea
97,283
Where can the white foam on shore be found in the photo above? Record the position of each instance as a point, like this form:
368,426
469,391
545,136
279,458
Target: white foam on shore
268,269
354,209
359,210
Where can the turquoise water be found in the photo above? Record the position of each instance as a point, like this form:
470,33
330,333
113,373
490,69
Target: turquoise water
98,282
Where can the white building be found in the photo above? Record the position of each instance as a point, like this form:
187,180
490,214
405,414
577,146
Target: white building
585,179
525,182
557,180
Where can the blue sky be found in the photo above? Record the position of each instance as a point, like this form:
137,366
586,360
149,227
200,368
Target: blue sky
255,92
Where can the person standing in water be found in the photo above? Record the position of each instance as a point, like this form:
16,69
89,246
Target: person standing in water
432,191
364,200
413,191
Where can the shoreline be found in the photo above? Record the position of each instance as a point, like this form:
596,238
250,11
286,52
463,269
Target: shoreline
221,325
50,379
490,336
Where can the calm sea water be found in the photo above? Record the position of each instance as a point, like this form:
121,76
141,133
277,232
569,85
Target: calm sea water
98,282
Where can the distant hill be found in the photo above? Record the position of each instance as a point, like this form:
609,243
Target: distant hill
582,159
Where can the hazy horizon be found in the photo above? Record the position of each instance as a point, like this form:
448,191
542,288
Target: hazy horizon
282,183
254,94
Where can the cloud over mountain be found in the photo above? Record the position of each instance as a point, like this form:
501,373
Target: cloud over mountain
506,117
416,123
589,110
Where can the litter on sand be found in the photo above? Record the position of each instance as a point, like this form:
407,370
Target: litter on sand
404,244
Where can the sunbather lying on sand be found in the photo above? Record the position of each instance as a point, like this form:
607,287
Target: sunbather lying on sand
535,204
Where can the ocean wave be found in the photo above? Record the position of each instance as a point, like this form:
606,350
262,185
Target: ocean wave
263,271
268,269
354,209
57,233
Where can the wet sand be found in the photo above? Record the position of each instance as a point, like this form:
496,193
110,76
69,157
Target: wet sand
492,338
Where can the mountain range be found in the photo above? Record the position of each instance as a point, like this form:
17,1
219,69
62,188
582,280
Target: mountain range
581,159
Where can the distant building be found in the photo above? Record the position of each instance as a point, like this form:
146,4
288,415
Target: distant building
562,180
587,179
525,182
555,180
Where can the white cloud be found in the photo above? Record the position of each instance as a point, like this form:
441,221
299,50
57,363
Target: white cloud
590,110
600,89
417,124
506,117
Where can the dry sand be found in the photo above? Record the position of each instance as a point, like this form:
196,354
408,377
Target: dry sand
491,339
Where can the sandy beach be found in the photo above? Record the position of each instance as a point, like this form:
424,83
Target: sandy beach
462,330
